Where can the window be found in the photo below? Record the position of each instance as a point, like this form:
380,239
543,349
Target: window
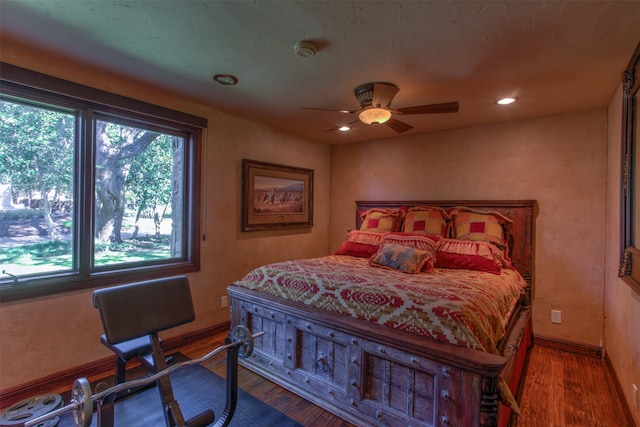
95,189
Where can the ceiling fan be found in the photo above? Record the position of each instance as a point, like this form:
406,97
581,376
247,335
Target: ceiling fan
375,100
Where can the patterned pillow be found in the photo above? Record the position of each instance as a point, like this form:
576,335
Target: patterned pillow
478,225
416,241
382,219
366,237
470,255
426,220
401,258
361,244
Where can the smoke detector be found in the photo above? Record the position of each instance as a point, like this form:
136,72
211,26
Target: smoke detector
305,49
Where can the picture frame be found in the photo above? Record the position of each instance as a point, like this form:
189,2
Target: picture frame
276,197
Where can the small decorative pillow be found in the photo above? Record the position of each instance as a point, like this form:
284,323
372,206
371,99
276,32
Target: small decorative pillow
426,220
382,219
416,241
401,258
470,255
360,244
478,225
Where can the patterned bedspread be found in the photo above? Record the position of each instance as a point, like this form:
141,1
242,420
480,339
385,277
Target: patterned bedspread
462,307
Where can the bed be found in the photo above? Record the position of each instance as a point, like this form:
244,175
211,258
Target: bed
381,366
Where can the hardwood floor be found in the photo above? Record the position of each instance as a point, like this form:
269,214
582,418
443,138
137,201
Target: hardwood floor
560,389
566,389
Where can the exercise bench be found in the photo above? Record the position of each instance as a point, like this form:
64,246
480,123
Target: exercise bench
132,315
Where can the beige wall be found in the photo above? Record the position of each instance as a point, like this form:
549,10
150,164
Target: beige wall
622,305
560,161
44,336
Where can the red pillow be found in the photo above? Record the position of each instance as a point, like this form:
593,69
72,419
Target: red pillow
470,255
467,262
360,250
361,244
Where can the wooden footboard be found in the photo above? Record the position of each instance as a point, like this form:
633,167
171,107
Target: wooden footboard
370,374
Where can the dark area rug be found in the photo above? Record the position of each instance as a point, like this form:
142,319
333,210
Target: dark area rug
196,389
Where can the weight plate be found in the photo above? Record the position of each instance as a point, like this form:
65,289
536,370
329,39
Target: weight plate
243,334
82,398
29,409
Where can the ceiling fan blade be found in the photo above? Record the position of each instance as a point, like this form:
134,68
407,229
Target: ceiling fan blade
383,94
397,125
446,107
335,111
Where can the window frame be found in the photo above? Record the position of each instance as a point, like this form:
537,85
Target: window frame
36,88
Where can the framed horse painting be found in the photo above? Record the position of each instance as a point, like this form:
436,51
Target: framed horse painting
276,196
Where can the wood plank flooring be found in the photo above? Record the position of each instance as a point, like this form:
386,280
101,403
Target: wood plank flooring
565,389
560,389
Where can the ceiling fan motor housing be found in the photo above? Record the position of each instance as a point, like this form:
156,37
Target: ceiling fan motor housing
364,94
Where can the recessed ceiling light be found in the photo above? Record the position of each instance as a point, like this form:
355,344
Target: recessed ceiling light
344,128
506,101
226,79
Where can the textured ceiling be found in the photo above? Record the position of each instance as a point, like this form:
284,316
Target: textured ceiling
554,56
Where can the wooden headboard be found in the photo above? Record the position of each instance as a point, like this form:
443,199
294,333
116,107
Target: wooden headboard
521,212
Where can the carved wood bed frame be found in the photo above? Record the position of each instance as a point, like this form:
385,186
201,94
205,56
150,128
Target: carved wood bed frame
372,375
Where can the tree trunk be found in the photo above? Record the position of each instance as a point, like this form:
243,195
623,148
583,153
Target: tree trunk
52,232
110,198
111,172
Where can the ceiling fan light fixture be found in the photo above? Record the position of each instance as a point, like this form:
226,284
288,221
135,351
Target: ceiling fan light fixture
374,116
344,128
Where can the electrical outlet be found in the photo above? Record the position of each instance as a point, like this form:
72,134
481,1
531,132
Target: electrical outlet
224,301
556,316
634,398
